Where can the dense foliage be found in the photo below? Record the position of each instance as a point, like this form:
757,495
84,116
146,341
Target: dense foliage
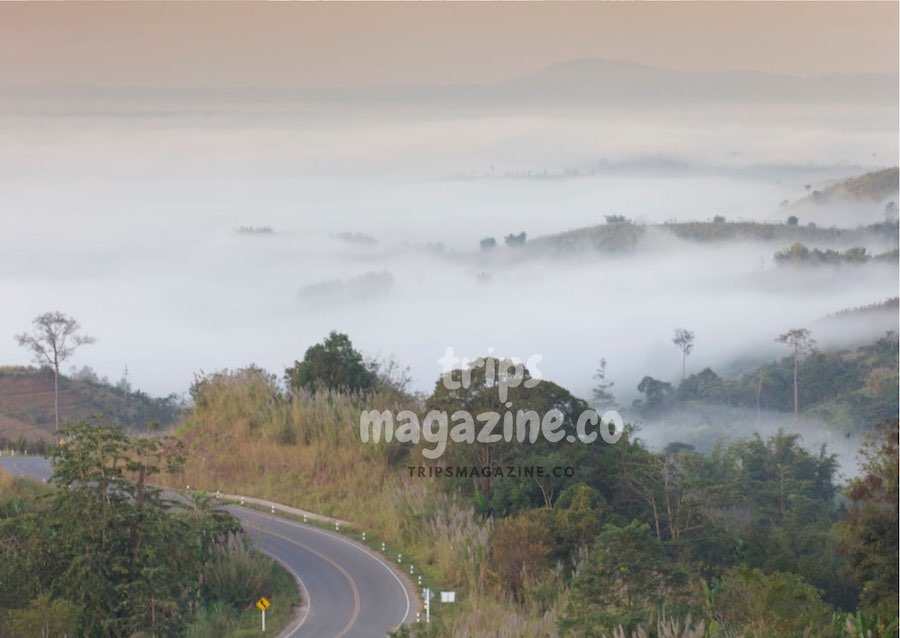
332,365
755,538
104,554
853,388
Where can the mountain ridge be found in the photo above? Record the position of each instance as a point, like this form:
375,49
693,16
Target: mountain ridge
582,81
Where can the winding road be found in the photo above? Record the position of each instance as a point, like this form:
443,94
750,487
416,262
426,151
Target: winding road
350,591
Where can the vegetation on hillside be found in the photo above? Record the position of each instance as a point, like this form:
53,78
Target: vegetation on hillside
105,554
26,399
755,538
799,254
853,389
750,539
891,305
624,237
875,186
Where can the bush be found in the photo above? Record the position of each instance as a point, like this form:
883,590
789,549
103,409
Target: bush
775,605
238,575
213,621
43,617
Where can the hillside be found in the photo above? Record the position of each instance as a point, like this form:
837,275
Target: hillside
849,389
26,403
878,185
513,558
874,187
623,236
888,306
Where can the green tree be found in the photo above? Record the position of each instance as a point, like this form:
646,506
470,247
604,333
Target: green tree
121,553
128,558
774,605
623,582
333,365
656,393
869,534
776,500
44,618
705,385
475,391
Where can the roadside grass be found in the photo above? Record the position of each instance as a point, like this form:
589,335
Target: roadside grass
7,483
18,488
244,436
221,620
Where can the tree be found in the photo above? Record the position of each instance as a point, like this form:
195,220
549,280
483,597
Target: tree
684,339
800,343
521,546
487,244
773,604
656,393
869,535
474,391
54,340
515,241
114,545
603,398
44,617
792,220
625,579
333,365
705,385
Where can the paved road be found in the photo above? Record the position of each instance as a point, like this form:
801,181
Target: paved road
351,592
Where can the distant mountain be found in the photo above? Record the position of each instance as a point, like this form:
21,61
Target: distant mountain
593,82
577,83
616,82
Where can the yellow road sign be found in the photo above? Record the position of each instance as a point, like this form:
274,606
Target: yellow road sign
263,604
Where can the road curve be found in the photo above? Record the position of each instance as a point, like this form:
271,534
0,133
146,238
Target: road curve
351,592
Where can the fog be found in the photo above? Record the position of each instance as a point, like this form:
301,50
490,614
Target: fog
706,427
126,219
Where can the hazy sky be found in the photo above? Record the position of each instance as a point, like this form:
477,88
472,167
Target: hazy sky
331,44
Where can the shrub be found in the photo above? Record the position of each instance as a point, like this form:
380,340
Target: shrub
774,605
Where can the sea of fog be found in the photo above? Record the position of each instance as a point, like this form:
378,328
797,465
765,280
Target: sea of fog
127,221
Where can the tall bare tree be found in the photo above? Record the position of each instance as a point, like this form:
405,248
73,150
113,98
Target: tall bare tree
684,339
800,343
53,339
